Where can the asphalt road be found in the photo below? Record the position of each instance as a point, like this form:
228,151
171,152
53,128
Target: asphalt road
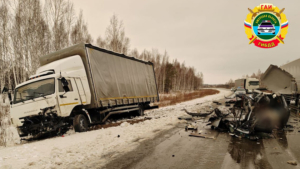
176,149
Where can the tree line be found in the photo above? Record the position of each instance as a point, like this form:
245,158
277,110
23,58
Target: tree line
170,75
30,29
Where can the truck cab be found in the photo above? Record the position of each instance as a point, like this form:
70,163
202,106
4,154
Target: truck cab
45,93
251,84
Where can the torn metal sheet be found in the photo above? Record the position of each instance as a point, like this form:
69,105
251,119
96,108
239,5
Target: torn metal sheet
198,114
216,122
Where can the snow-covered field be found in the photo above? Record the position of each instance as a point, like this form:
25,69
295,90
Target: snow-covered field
76,150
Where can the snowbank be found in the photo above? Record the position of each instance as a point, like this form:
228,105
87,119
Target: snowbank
80,150
8,134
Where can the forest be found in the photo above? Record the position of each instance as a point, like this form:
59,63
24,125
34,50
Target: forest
33,28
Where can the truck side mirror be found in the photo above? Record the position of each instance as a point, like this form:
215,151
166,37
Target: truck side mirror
65,84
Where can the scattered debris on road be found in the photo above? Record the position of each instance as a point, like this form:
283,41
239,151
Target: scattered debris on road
188,117
292,162
201,135
198,114
191,127
253,117
216,102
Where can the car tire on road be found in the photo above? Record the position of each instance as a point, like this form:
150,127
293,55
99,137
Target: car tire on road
80,123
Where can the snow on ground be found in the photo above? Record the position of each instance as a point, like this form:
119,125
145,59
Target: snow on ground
75,150
8,134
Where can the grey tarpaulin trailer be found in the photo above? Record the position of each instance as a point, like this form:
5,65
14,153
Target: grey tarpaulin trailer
294,69
280,81
115,80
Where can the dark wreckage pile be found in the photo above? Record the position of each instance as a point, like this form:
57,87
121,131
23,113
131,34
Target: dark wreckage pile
253,117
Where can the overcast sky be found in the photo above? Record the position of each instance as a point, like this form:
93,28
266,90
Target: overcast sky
208,35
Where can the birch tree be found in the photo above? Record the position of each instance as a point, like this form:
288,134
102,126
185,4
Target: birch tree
115,36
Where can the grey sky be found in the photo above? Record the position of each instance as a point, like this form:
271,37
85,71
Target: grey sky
208,35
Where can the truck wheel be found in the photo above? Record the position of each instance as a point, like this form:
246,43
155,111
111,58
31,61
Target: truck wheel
141,110
80,123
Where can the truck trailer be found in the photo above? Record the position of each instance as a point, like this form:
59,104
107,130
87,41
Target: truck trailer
81,86
248,84
283,80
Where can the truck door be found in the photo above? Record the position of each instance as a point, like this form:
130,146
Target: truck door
70,99
81,90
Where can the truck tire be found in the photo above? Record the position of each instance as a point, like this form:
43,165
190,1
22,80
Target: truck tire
80,123
141,110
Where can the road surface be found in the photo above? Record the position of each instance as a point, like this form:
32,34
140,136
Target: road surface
175,149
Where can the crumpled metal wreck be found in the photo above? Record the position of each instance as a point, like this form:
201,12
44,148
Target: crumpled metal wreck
261,112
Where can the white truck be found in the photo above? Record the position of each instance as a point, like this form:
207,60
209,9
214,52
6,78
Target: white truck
81,85
248,84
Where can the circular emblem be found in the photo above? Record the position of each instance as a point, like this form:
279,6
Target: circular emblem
266,26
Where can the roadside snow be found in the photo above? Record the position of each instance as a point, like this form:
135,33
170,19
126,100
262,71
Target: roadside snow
8,134
76,150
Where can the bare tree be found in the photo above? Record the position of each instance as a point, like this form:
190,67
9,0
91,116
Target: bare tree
80,31
28,31
4,41
55,16
134,53
69,20
101,42
115,36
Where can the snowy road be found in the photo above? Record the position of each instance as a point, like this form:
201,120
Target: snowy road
98,148
175,149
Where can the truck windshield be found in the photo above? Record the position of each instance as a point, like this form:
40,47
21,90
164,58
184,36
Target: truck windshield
34,90
254,83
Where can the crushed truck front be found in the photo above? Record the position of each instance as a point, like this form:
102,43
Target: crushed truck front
42,101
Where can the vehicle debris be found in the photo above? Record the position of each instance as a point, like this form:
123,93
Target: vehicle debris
187,117
292,162
201,135
253,117
198,114
191,127
216,102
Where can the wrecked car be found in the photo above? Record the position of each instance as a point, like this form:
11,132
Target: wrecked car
249,115
269,112
261,112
